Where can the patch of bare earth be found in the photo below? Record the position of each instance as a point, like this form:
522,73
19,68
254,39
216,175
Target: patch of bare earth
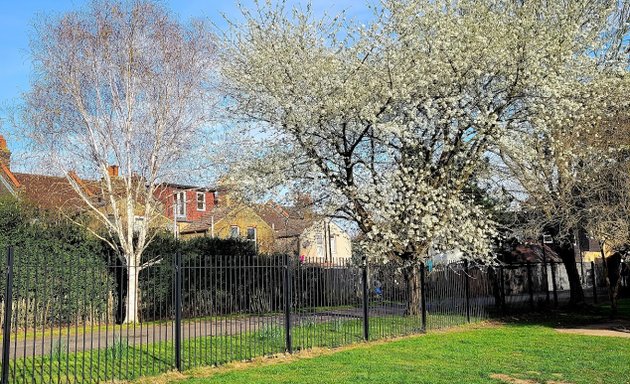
610,329
507,379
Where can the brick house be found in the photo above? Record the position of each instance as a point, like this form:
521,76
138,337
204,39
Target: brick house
238,221
52,193
55,193
274,228
184,204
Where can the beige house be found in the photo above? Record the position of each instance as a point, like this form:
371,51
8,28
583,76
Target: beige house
274,228
325,241
237,222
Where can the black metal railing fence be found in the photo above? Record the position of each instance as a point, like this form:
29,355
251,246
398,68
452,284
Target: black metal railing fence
64,321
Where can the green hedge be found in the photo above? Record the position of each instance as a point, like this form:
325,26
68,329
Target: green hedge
59,271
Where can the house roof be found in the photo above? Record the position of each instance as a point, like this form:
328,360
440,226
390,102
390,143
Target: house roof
523,253
277,218
185,186
205,222
49,192
282,220
9,175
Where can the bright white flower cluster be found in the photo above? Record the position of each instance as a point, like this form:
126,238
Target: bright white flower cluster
388,123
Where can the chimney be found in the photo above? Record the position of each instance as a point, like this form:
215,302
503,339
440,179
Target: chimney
112,170
5,154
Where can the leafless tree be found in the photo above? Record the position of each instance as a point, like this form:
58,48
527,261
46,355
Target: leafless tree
607,199
119,82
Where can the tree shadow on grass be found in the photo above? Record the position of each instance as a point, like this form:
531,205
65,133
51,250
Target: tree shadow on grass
583,317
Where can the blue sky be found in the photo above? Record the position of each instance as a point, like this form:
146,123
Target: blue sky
17,19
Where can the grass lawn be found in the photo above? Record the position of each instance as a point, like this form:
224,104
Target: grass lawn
470,356
124,361
623,308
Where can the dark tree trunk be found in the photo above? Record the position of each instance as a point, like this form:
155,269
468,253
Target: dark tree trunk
567,255
411,275
612,271
496,286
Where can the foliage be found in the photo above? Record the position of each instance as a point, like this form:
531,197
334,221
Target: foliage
387,123
73,262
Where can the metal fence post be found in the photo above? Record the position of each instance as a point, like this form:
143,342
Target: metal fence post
530,284
178,310
366,303
8,306
287,304
546,274
423,296
502,287
467,290
594,282
555,285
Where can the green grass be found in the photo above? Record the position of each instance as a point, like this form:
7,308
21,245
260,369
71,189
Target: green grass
127,361
623,308
472,356
81,329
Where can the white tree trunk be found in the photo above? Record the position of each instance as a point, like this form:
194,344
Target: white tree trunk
133,297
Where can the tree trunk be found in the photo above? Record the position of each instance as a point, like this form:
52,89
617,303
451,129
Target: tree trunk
567,255
412,282
496,286
133,297
612,272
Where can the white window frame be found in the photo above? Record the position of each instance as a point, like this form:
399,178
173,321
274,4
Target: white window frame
333,245
238,232
137,222
255,239
319,242
203,195
180,202
255,234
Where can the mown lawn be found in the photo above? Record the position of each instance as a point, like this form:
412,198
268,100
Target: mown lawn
123,361
471,356
623,308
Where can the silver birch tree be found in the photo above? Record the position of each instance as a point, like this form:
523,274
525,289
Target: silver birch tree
124,83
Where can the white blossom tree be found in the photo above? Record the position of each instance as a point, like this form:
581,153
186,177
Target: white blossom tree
555,162
389,121
123,83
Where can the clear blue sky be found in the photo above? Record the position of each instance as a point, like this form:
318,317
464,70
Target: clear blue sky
17,18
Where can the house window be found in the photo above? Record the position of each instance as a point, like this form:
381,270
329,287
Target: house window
234,232
320,245
138,222
201,201
333,245
251,235
180,205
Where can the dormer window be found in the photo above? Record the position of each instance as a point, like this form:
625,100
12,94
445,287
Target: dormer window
201,201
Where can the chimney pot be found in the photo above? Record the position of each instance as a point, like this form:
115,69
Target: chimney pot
112,170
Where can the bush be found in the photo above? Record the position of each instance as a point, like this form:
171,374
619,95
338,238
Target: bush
59,274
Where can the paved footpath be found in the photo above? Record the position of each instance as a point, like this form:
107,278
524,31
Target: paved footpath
146,334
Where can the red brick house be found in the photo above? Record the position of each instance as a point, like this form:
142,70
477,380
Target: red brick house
185,203
46,192
54,193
